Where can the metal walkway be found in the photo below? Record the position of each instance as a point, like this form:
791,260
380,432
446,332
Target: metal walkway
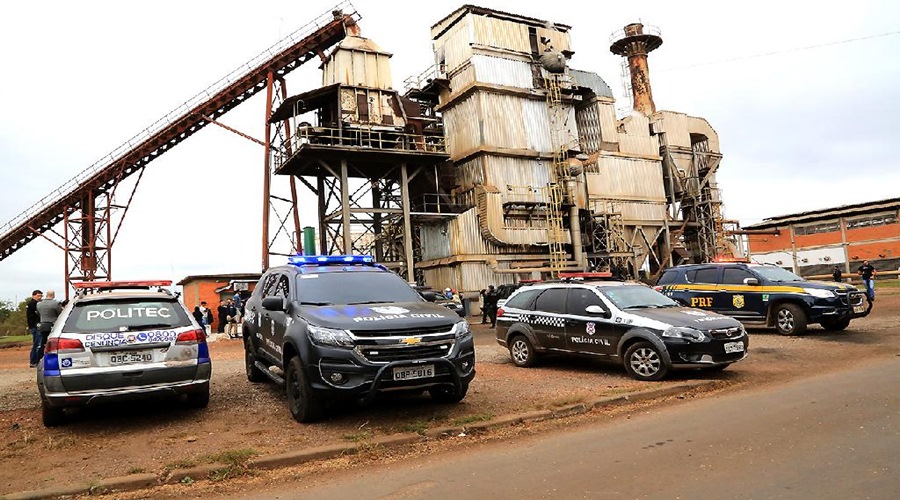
297,48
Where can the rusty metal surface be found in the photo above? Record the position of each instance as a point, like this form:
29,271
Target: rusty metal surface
358,61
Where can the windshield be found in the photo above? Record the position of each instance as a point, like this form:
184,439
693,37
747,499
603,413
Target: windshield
344,288
773,273
125,315
636,297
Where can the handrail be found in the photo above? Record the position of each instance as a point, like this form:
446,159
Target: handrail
367,137
180,111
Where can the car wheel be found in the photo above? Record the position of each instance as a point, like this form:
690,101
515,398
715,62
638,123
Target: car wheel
254,374
522,352
789,319
447,394
51,416
836,326
304,405
643,361
198,399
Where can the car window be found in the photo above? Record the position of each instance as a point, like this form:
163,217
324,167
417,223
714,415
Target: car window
668,277
580,299
282,289
346,288
552,300
706,275
269,284
735,276
523,300
777,274
120,315
636,297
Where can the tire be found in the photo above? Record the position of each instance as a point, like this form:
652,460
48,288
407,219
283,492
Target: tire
836,326
522,352
51,417
789,319
254,374
198,399
447,394
304,405
644,362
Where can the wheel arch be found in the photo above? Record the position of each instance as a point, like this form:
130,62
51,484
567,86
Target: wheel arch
773,305
642,335
520,329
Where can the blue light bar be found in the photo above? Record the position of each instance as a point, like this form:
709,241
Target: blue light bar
330,260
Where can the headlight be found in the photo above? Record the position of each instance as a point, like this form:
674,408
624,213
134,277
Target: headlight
329,336
461,330
682,332
820,293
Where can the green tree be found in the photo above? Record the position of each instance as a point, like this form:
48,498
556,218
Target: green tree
12,319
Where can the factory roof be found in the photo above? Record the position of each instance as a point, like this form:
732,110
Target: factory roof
444,24
592,81
828,213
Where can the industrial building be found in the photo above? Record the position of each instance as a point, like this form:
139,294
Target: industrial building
812,243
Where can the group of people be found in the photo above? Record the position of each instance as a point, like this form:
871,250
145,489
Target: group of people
867,272
489,299
229,313
40,314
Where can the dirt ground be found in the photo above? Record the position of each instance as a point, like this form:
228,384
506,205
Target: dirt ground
244,418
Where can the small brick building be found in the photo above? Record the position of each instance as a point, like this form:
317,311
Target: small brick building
812,243
214,288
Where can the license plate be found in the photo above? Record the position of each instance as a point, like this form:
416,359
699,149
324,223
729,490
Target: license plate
129,357
731,347
860,308
413,372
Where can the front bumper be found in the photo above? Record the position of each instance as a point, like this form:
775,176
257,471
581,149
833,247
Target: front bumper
837,309
362,379
686,354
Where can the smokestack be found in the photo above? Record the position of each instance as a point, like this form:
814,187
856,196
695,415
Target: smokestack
634,44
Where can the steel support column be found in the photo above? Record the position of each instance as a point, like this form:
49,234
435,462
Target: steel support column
345,206
407,225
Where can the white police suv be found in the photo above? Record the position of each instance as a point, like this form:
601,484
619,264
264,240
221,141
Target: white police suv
122,341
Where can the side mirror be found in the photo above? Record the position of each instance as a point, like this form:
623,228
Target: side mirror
429,296
751,281
275,303
598,311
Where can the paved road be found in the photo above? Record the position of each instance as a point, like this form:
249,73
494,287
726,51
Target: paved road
834,436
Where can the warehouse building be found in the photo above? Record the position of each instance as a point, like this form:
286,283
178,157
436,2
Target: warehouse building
812,243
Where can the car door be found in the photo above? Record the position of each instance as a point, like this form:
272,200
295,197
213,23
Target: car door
264,317
737,298
280,319
702,287
586,332
546,319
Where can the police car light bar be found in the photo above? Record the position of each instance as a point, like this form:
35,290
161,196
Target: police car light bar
330,260
120,284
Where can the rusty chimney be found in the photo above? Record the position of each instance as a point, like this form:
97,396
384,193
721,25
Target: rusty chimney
634,44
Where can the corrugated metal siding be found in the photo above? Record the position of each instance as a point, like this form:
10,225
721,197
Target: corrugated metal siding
503,172
592,81
470,173
462,123
462,78
353,67
502,115
435,241
492,32
558,40
501,71
676,128
455,45
477,276
442,277
639,145
626,178
608,122
537,125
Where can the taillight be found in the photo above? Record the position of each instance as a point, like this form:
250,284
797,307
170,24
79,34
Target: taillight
500,312
55,345
191,337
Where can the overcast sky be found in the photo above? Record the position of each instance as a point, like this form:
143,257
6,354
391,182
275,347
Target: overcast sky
799,129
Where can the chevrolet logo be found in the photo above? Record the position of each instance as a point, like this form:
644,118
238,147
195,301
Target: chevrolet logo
411,340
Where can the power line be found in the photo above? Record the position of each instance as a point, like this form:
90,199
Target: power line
784,51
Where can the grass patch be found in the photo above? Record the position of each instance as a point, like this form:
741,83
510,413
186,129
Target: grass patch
417,426
185,463
471,419
356,437
231,457
14,338
137,470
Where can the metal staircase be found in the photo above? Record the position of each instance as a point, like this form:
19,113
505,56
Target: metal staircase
559,174
100,179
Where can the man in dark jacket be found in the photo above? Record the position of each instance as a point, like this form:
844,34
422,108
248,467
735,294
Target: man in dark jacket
32,319
223,317
490,303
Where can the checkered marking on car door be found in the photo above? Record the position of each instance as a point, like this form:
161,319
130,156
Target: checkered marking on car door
541,320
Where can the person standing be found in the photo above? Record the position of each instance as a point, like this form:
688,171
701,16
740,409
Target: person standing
48,310
32,318
198,316
868,272
223,317
484,309
208,318
836,274
490,303
232,327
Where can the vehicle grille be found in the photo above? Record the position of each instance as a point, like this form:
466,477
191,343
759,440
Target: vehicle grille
725,333
386,354
405,332
850,298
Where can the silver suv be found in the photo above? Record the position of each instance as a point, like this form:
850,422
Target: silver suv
122,341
